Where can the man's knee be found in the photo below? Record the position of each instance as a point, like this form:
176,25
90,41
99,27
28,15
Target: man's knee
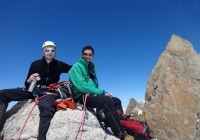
108,100
116,100
108,104
2,96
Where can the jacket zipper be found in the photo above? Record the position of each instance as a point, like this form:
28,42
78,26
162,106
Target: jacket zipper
47,73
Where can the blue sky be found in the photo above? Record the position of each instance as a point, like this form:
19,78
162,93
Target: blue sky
128,37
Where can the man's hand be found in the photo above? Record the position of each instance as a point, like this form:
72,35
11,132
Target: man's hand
32,78
108,94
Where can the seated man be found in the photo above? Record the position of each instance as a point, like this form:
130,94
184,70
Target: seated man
83,78
49,70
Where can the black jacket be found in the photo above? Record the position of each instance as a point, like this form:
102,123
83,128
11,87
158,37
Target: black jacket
49,73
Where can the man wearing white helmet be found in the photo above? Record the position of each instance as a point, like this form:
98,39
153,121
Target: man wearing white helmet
49,70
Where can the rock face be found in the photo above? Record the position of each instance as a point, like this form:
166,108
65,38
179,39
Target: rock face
131,105
134,109
172,99
63,125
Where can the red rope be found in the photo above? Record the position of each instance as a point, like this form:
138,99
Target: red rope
22,127
80,127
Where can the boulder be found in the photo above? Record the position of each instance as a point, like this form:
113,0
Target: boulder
63,125
172,99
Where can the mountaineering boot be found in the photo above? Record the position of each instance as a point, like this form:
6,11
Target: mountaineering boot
126,136
1,135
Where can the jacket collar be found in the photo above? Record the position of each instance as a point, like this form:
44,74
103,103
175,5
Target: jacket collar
82,61
43,59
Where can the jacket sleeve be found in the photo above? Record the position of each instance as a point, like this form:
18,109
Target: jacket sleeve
31,71
64,67
79,82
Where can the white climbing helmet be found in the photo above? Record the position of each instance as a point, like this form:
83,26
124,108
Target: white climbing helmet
48,43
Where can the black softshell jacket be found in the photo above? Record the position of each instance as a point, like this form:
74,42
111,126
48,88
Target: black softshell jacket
49,73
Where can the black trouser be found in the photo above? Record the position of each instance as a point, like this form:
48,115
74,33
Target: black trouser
8,95
109,105
47,110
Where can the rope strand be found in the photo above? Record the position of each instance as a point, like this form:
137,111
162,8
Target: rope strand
29,114
22,128
80,126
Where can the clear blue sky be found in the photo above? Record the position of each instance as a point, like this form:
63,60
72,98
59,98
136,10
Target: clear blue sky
128,37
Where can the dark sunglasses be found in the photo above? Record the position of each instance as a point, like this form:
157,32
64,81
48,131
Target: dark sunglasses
87,54
49,51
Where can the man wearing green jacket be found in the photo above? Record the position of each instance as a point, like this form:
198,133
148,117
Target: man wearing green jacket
83,78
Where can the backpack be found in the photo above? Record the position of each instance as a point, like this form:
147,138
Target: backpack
139,130
63,90
136,128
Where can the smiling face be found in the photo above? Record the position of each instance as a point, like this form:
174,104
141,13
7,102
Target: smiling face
49,52
87,55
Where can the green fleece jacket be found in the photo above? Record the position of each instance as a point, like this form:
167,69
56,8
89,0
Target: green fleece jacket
83,78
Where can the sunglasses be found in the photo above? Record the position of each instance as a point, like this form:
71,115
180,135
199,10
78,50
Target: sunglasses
50,51
87,54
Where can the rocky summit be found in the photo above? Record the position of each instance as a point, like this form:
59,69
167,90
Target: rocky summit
63,125
172,99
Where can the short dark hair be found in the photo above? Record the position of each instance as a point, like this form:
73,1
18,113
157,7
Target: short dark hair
88,48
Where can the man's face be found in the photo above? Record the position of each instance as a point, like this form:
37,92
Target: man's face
49,52
87,55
